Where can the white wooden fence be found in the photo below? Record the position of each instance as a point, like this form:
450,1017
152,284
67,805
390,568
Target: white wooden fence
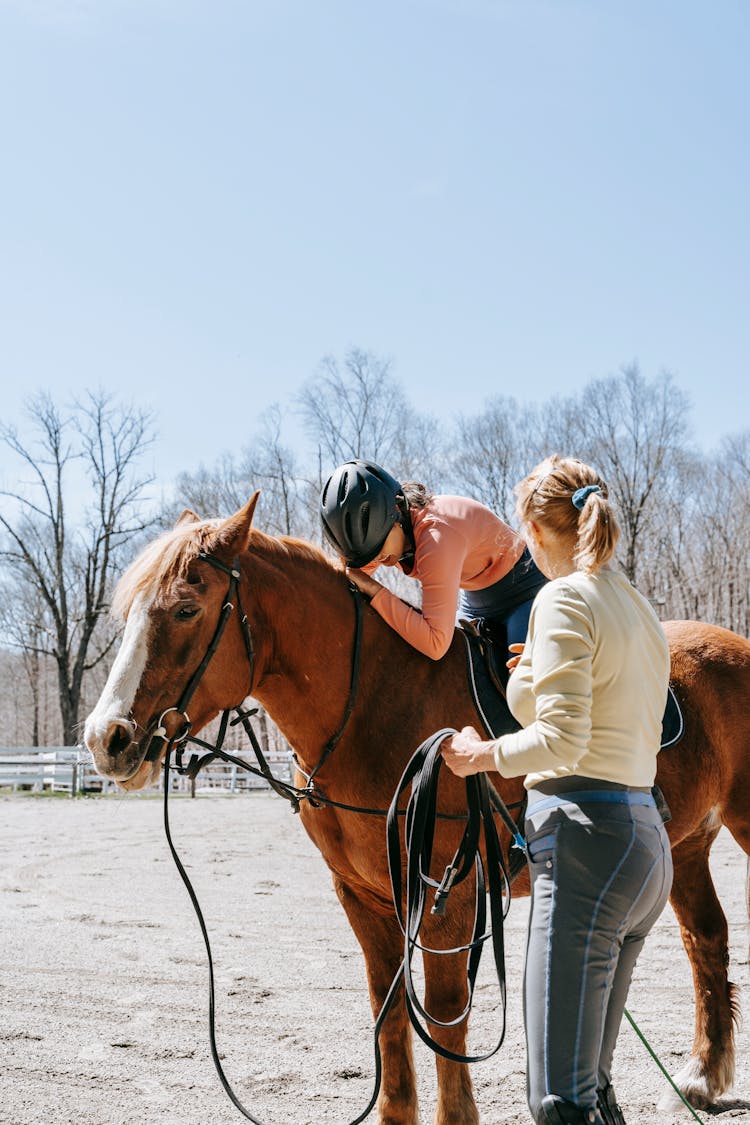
70,769
43,767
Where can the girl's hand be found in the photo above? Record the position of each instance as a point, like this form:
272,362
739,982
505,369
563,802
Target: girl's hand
465,753
517,649
364,583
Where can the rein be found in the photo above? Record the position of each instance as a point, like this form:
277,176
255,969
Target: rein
492,880
421,813
309,792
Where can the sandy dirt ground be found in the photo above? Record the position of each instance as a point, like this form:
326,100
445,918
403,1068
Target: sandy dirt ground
104,983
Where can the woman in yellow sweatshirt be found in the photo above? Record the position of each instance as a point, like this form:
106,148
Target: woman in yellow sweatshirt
589,691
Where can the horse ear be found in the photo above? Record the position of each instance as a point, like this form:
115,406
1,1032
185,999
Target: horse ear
188,516
234,535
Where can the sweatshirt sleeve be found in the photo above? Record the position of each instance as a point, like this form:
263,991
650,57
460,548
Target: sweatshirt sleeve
440,555
562,644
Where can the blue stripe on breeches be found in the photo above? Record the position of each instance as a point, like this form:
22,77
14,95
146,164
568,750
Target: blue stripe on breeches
601,872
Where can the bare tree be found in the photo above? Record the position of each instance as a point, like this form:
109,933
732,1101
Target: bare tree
735,454
69,562
721,534
359,409
209,490
24,625
354,410
15,714
493,450
562,427
634,430
671,553
273,465
267,463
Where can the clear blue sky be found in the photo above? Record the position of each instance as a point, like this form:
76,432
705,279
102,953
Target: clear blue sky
200,200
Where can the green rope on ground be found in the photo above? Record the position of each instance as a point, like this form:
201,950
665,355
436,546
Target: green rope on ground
661,1066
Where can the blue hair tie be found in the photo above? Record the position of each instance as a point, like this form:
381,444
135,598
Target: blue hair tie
580,497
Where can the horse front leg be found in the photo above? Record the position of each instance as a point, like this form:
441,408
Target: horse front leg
445,996
382,944
709,1071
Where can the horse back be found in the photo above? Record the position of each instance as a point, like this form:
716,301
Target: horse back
709,768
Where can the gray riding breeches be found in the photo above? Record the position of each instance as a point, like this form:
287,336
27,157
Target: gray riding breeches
601,872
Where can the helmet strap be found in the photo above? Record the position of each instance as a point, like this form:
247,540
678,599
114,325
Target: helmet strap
407,559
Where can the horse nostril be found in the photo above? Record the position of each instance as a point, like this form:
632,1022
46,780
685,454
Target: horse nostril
120,737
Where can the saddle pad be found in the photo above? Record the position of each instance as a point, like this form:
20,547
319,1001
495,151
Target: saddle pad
495,714
673,724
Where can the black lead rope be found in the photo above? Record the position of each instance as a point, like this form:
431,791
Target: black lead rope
422,772
212,988
201,921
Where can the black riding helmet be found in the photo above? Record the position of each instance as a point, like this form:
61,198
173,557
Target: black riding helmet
359,505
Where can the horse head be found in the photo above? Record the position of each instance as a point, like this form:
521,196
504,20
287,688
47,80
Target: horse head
171,598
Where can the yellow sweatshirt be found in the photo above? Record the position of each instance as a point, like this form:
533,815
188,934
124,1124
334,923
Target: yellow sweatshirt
591,686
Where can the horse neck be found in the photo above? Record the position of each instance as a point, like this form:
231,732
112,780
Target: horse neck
304,618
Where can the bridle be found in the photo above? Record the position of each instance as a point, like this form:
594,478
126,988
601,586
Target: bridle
178,741
420,813
158,735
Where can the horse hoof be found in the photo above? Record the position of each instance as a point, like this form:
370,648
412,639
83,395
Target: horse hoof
694,1085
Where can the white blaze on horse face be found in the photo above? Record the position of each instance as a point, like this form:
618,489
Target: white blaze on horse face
116,701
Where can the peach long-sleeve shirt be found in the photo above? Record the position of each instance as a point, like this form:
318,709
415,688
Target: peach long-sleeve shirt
459,545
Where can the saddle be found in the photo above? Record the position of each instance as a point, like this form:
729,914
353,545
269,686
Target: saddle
488,678
488,692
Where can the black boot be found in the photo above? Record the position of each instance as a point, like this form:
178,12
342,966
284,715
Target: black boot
558,1111
608,1107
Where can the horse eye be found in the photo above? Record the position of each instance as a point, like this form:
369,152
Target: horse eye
185,613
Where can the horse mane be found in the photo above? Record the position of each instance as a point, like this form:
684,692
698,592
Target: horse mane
168,558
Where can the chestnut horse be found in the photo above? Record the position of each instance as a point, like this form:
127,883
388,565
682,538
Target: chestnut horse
300,612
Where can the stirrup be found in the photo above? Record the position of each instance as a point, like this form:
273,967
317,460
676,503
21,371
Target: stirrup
608,1107
558,1111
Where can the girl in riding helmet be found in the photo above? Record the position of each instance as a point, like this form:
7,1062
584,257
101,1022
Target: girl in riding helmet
454,546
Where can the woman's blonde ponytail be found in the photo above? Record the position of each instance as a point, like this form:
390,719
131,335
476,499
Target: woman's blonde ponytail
571,499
